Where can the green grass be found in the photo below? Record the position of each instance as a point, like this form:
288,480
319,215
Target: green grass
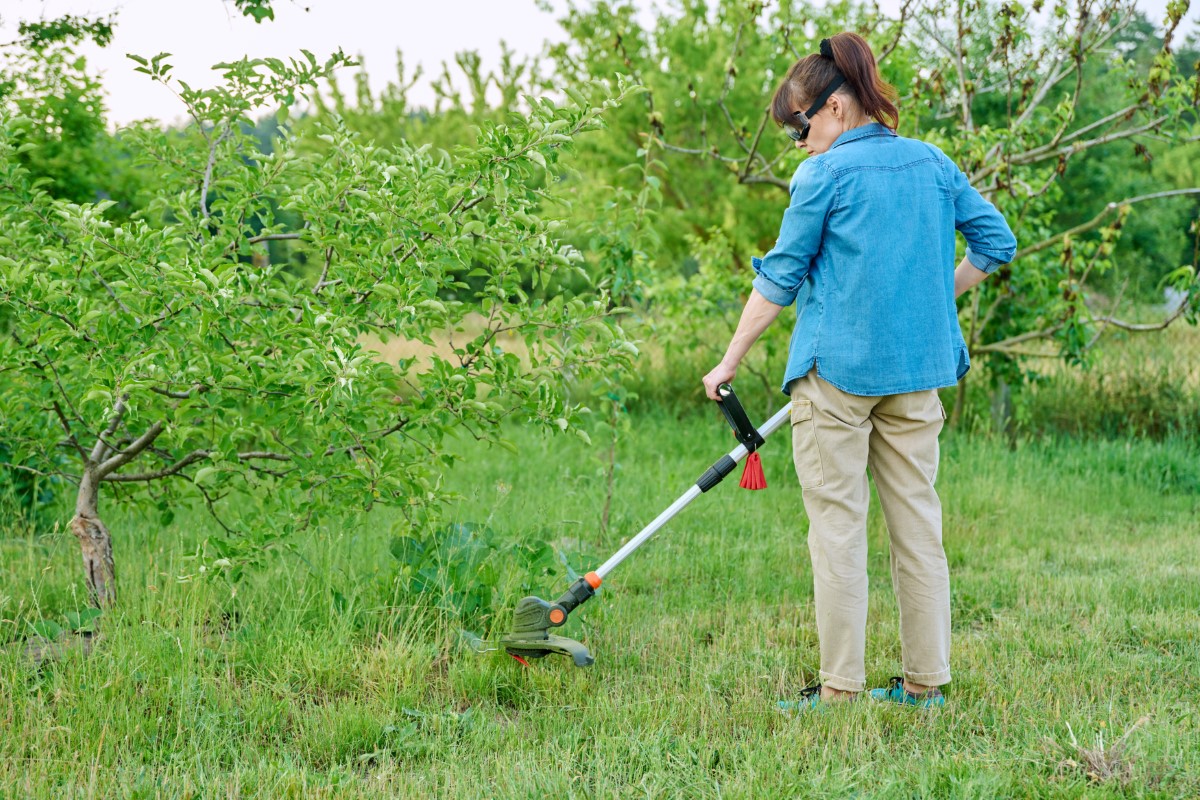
1076,583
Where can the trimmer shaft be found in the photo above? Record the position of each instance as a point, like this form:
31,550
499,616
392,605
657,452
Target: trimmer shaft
534,617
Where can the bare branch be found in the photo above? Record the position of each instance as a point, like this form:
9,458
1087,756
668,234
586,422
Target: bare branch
965,95
1099,218
730,73
196,389
273,237
1047,151
54,474
208,170
1124,114
768,179
904,12
263,454
712,153
1005,345
955,56
1104,325
754,146
1138,327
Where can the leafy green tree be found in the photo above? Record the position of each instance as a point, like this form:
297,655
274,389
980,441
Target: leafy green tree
42,78
995,85
164,358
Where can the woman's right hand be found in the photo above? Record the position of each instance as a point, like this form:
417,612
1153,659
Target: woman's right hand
721,373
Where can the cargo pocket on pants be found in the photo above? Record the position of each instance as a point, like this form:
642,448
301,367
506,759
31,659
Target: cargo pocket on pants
805,451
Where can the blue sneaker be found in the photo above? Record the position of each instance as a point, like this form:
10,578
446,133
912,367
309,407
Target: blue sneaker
896,693
810,700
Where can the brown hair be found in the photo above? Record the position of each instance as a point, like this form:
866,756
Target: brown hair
850,54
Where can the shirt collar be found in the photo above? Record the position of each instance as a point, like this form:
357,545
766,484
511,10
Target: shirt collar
862,132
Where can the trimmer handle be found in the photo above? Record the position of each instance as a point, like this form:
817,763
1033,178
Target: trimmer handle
731,407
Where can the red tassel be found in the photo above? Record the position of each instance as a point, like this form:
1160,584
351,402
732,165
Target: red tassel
752,475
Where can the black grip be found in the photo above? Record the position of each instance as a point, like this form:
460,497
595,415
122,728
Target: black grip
579,592
731,407
716,473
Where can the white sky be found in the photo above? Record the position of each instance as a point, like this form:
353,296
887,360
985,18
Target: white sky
200,33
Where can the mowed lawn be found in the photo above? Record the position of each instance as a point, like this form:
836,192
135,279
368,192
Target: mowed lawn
1076,589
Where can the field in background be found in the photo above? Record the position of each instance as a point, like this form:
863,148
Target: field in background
1076,580
1136,384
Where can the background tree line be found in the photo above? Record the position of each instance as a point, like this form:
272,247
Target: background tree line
189,314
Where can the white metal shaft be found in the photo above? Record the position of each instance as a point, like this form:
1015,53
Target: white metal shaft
737,454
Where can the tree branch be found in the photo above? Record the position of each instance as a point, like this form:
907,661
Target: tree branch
273,237
62,418
208,170
1095,221
131,452
101,448
173,469
1004,345
113,295
1137,327
900,24
34,470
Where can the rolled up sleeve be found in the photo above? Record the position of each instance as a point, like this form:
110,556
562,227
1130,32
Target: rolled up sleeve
990,241
781,272
983,263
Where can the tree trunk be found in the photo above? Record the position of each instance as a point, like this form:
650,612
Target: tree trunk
960,402
95,542
1003,419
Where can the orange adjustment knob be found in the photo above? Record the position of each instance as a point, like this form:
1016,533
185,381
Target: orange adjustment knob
557,616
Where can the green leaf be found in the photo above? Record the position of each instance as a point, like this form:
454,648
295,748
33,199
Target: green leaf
203,474
82,621
406,550
47,629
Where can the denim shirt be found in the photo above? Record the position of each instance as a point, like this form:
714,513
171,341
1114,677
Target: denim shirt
867,244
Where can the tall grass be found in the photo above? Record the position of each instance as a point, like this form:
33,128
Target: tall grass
1076,583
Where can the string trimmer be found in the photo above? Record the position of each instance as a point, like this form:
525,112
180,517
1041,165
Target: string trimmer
534,617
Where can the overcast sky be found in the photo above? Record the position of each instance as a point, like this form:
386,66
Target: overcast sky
200,33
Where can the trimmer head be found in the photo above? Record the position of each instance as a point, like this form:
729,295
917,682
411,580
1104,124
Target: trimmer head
534,617
519,646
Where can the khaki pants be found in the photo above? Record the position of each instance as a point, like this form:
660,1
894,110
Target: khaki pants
836,438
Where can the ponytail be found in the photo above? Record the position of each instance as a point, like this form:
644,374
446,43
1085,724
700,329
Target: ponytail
850,55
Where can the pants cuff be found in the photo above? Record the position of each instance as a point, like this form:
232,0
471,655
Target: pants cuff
929,678
841,684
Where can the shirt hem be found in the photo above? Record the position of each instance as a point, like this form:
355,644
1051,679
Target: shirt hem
814,364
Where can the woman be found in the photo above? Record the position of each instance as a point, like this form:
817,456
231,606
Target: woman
867,242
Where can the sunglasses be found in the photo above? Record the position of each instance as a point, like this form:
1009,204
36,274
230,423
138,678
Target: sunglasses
800,133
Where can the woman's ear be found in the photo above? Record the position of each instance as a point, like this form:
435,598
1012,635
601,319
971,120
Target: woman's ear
836,107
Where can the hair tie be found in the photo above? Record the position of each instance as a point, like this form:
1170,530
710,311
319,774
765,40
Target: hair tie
826,49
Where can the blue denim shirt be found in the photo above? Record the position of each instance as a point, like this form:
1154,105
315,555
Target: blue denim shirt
867,244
